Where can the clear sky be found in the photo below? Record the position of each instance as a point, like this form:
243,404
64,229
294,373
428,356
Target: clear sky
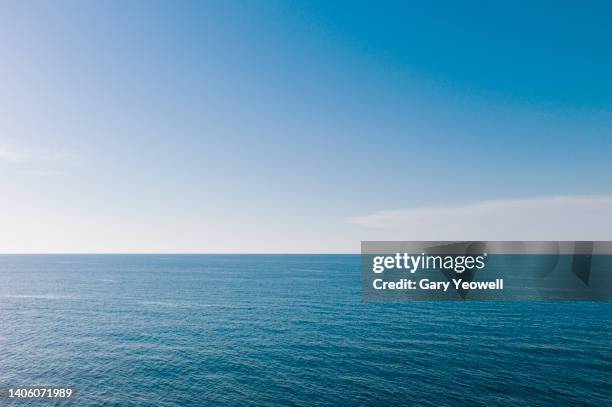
277,126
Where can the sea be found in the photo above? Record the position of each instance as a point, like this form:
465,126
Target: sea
282,330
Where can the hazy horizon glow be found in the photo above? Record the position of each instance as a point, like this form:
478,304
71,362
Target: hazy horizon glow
299,127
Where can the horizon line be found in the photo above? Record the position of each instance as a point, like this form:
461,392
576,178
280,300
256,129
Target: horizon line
172,253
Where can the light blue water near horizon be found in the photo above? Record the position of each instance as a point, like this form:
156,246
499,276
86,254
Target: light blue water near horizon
283,330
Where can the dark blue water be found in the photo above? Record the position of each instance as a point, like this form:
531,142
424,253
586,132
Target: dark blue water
283,330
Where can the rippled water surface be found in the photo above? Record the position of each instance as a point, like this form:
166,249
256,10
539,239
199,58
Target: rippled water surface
283,330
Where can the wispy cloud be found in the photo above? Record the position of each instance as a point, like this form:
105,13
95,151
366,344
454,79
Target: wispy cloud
39,162
548,218
13,155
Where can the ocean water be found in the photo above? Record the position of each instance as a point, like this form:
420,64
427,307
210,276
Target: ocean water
283,330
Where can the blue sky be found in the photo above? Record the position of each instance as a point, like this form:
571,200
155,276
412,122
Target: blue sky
294,126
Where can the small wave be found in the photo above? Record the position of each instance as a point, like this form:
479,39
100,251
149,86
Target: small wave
161,304
105,280
40,296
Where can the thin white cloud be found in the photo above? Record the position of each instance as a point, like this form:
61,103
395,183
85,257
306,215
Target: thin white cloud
548,218
38,162
13,155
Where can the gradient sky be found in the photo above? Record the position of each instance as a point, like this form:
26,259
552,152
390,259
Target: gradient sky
278,126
